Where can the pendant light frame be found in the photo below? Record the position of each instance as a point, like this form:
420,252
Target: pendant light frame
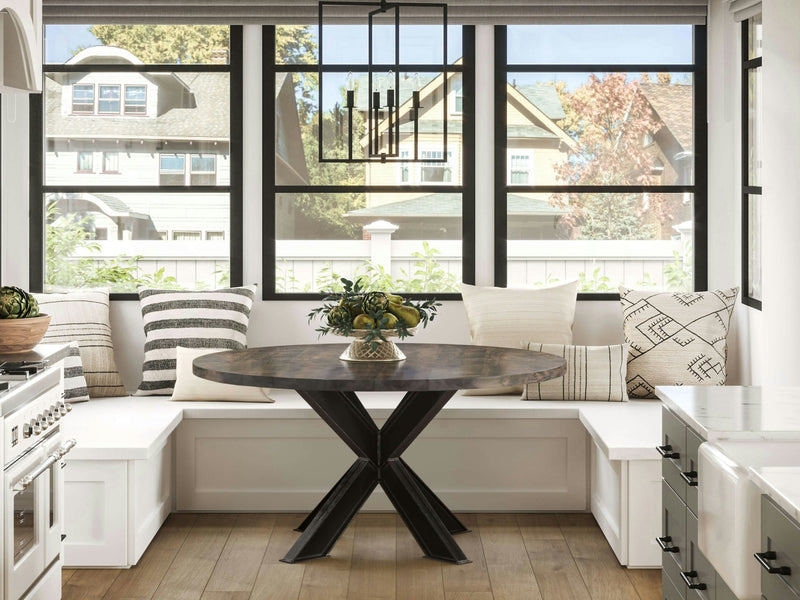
383,143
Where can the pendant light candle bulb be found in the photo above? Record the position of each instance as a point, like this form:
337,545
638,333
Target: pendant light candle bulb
351,82
416,82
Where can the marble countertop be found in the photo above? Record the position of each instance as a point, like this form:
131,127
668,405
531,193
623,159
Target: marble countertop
782,484
736,413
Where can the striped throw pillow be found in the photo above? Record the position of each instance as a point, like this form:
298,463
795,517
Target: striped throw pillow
82,316
215,319
593,373
75,389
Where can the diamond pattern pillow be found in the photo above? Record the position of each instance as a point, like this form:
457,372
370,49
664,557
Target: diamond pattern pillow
676,338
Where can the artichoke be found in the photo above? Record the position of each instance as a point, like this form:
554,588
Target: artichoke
375,302
338,317
16,303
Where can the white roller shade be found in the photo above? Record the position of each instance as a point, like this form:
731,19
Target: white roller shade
744,9
467,12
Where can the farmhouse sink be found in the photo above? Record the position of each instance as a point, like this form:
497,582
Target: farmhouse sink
729,507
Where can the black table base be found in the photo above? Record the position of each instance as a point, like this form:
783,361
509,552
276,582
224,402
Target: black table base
379,463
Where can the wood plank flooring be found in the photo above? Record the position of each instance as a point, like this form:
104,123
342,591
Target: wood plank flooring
235,557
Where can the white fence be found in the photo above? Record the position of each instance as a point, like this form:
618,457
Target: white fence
302,264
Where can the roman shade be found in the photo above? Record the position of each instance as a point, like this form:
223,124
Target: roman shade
744,9
467,12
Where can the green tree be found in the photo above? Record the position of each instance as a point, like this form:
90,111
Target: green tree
184,44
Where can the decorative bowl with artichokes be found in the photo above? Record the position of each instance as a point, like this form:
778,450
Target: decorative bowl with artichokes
22,326
372,316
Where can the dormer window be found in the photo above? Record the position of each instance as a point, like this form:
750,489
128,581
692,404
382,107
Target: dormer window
83,98
135,99
108,102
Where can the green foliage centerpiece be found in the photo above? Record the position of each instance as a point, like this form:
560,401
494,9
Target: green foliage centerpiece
371,317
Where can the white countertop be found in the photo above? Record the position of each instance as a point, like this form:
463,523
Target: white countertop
135,427
782,484
736,413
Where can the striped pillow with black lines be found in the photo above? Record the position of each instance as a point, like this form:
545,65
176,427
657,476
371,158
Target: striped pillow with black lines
593,373
216,320
82,316
75,389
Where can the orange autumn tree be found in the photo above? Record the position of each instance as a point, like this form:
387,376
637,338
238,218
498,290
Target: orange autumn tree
608,118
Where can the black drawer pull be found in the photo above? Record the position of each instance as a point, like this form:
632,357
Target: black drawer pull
666,452
687,576
663,541
764,557
690,477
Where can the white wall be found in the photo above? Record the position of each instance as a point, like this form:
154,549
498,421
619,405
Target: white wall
596,322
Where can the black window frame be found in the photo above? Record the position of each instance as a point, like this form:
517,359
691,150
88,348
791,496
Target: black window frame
270,189
234,190
700,188
748,65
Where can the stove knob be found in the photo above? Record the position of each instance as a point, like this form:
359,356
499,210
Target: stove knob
27,430
43,421
36,426
62,408
50,418
69,407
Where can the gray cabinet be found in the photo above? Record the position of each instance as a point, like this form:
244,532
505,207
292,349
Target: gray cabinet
687,574
780,553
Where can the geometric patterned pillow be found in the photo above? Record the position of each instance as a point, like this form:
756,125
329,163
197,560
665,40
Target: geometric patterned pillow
74,382
675,338
209,319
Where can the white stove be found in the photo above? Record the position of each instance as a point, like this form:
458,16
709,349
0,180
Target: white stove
32,407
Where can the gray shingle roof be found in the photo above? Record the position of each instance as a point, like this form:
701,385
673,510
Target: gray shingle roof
674,105
544,97
449,205
209,120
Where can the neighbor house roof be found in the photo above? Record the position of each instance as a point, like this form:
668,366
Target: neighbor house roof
444,205
545,97
673,104
209,120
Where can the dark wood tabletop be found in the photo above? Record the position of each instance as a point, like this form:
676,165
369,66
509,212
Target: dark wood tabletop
427,367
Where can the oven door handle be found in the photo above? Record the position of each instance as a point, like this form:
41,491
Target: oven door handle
26,481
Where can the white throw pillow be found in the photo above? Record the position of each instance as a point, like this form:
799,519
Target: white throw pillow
510,317
189,386
676,338
593,373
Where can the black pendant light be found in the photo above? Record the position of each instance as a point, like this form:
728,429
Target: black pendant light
385,107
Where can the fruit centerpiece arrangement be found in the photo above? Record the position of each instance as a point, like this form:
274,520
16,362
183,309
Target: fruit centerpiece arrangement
22,326
371,317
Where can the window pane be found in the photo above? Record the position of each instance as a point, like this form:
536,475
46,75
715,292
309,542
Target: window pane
83,98
603,240
117,240
420,244
297,131
754,247
348,44
600,44
754,126
110,162
153,44
203,163
135,99
754,36
189,114
602,129
85,161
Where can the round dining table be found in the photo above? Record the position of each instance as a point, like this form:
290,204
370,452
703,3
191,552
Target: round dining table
430,375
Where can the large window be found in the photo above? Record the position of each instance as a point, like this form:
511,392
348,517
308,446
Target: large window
751,161
600,164
404,226
155,133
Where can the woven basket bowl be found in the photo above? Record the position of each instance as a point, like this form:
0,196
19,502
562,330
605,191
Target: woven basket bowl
21,335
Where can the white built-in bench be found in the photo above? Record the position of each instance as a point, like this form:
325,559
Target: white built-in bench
481,453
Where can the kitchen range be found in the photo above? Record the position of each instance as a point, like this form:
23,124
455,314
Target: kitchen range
31,407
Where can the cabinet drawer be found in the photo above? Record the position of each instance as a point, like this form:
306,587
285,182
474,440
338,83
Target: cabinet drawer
693,442
673,442
780,534
704,574
775,589
668,589
673,528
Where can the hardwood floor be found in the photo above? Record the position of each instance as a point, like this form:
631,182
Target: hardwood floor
235,557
